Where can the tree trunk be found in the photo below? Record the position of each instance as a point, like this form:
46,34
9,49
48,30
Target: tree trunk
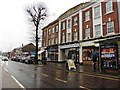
36,55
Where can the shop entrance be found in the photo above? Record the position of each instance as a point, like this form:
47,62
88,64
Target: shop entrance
72,54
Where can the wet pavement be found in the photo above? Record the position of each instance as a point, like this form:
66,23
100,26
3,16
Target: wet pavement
54,75
86,68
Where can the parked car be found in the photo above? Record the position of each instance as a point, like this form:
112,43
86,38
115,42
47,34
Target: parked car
18,58
30,59
22,60
13,58
4,58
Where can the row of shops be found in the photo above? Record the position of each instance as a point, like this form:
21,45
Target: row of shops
80,52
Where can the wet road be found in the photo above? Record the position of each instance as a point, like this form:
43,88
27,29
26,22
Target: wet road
42,76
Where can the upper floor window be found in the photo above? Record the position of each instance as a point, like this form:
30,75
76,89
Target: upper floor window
63,26
97,11
69,37
48,41
56,40
110,27
57,28
98,30
49,31
63,38
109,6
75,36
69,23
75,20
53,30
87,15
52,41
87,33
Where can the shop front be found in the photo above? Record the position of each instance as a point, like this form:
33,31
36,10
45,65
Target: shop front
87,48
52,53
110,55
70,51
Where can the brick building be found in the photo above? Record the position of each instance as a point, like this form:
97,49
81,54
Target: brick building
80,29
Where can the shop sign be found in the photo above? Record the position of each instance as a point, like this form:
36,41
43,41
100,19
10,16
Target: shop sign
69,46
109,57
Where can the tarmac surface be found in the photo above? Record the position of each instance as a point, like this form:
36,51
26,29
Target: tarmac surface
85,68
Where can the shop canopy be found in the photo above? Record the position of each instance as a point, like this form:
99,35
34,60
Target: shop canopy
41,51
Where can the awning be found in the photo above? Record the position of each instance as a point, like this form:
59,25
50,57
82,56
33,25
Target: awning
41,51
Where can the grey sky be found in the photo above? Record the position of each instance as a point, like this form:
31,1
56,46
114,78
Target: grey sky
14,25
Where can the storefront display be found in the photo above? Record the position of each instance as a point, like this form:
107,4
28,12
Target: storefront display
87,53
109,57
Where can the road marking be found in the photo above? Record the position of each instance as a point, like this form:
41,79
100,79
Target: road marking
85,88
18,82
5,69
44,74
1,64
61,80
101,77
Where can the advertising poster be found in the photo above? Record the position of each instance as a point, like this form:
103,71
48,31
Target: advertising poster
109,57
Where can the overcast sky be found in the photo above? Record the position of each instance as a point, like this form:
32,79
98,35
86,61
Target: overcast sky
14,25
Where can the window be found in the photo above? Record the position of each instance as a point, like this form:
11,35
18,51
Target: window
63,25
97,11
110,27
75,20
49,31
75,36
63,38
109,7
56,40
87,15
53,30
48,41
57,28
69,37
52,41
97,30
87,33
69,23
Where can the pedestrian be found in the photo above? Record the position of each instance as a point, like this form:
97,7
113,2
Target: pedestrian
94,57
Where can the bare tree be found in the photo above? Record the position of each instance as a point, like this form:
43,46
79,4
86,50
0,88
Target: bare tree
37,14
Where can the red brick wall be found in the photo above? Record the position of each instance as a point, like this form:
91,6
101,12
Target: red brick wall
75,27
63,31
89,23
113,16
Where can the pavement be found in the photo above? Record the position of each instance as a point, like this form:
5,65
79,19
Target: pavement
85,68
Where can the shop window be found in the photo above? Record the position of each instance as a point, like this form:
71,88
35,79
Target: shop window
87,53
